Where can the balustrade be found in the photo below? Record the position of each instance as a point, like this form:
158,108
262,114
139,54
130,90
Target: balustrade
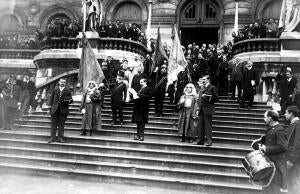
254,45
103,44
18,53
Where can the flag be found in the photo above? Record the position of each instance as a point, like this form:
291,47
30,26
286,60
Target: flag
89,69
159,54
177,61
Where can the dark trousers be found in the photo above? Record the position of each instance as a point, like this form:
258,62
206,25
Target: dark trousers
249,98
9,115
140,129
116,110
57,123
159,103
25,104
294,179
235,84
204,128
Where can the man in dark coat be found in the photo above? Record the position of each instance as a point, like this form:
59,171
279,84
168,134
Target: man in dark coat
287,86
182,80
135,84
235,77
222,75
293,152
250,78
11,99
118,96
208,95
141,108
59,102
28,93
160,77
274,145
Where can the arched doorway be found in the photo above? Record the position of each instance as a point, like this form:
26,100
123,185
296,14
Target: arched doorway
269,9
128,12
200,22
9,24
272,10
59,17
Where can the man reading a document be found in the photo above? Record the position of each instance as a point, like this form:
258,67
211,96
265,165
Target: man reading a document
141,108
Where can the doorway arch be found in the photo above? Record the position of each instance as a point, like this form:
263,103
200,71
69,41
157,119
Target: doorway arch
200,21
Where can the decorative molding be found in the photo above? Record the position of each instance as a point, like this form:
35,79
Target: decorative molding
113,5
56,9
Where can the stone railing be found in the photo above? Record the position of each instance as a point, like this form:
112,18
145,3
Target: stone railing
102,44
18,53
254,45
60,43
123,45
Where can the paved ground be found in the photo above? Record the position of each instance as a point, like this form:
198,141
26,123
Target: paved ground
15,184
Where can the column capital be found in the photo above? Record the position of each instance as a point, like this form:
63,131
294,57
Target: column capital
150,1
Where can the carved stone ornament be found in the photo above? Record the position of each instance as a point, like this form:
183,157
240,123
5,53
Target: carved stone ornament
34,8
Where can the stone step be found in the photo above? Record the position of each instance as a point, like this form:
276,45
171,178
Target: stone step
144,180
134,169
169,127
98,143
222,117
125,159
131,131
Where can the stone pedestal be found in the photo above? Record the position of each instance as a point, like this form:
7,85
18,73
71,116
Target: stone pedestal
290,41
93,38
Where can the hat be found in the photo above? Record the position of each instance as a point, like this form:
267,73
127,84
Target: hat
289,69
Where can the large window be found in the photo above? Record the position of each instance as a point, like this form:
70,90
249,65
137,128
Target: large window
129,12
9,23
272,10
200,12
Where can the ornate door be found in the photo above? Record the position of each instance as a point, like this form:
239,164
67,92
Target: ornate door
129,12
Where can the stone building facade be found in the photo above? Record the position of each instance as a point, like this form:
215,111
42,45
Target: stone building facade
197,20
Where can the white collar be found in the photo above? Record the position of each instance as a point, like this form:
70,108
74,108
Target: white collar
294,120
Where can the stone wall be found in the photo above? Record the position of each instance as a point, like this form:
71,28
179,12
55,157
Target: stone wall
34,13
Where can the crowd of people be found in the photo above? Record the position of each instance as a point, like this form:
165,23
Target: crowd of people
267,29
17,42
17,98
117,29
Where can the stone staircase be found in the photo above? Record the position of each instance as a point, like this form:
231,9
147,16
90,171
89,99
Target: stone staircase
112,156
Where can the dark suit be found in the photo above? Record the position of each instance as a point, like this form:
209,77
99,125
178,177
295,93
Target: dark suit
205,110
59,102
135,84
118,96
11,97
286,90
293,155
248,90
236,77
27,96
275,141
141,110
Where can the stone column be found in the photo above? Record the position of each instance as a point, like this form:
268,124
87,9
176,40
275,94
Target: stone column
148,31
236,17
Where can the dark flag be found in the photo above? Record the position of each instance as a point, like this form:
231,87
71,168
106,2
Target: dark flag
89,69
159,54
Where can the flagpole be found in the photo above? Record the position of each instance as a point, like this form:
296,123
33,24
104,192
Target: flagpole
148,31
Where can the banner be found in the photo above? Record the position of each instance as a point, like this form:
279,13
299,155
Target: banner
159,54
89,69
177,61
